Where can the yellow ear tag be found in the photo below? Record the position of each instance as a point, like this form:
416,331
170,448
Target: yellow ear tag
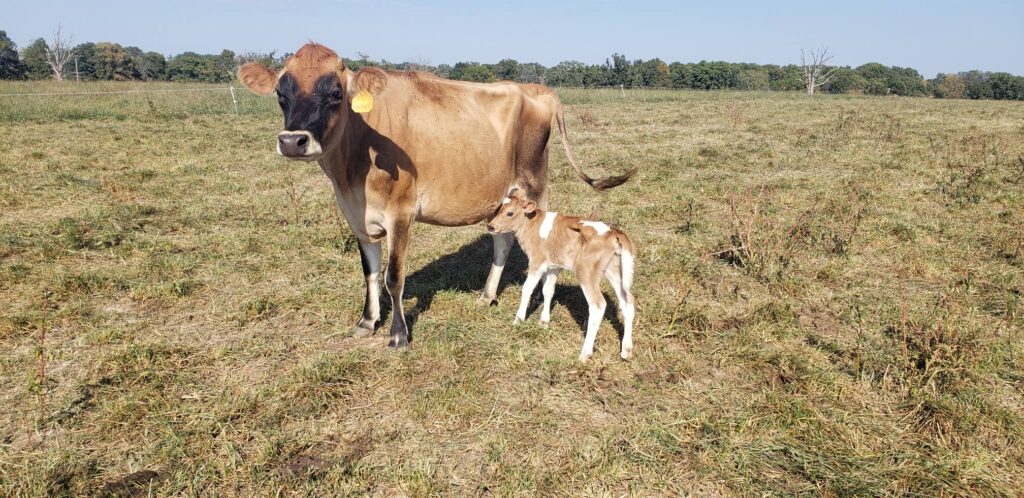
362,102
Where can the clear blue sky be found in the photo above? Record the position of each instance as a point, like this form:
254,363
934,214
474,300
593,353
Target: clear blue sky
931,36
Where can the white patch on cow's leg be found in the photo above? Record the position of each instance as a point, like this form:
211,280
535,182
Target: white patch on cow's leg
502,247
549,292
528,287
548,224
369,254
598,226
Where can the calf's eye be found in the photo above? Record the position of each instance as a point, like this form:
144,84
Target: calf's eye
509,213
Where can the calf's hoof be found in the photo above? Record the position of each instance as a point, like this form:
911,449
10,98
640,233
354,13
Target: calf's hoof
626,354
545,323
484,301
585,357
517,321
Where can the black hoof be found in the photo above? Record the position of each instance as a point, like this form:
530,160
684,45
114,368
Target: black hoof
398,345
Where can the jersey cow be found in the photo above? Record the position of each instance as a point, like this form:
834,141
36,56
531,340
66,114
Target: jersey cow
405,146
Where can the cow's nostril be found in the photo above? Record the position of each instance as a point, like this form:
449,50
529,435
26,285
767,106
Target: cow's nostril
301,142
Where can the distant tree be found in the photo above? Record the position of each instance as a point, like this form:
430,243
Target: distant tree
680,75
11,67
785,78
651,73
444,71
567,73
153,66
33,57
618,69
815,69
752,79
976,84
506,69
596,77
59,53
949,86
532,72
472,71
845,80
1006,86
269,59
191,66
113,62
713,75
225,65
85,61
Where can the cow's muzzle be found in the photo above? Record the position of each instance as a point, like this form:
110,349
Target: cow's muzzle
299,145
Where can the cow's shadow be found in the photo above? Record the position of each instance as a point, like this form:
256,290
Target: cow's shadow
466,271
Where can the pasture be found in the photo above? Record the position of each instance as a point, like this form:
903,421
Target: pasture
829,303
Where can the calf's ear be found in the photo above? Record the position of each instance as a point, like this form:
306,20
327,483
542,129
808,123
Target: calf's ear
529,207
258,78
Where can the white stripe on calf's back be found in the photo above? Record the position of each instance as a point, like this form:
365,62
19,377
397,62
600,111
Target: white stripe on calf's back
547,225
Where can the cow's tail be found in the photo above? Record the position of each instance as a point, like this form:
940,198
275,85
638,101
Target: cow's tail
598,183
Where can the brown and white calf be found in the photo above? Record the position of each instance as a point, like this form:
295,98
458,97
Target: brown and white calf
591,249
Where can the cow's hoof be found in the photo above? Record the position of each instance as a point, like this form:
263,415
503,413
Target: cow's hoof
484,301
398,345
360,332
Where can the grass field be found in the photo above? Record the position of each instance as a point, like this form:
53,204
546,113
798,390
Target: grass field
829,303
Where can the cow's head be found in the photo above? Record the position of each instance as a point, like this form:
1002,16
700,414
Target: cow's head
313,90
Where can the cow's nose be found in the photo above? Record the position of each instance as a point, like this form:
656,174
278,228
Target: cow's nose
490,228
293,144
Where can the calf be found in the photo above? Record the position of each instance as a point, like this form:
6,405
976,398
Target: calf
588,248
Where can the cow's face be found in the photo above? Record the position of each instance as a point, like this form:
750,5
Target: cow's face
512,214
312,97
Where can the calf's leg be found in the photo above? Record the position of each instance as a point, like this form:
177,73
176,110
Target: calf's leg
625,297
528,287
590,281
549,292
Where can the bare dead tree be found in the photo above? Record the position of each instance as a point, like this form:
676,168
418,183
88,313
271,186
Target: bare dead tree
59,54
816,73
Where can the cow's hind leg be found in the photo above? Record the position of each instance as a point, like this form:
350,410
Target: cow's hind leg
502,247
398,244
369,254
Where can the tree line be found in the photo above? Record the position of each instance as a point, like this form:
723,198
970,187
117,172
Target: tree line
111,61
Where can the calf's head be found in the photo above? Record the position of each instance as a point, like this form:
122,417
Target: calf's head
512,214
313,91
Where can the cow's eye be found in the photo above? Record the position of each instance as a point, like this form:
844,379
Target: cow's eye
336,94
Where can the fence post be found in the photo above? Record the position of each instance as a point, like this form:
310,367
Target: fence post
234,102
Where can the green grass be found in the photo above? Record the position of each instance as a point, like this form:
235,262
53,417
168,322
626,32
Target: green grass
829,296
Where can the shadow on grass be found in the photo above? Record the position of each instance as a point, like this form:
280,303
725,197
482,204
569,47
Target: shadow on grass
466,270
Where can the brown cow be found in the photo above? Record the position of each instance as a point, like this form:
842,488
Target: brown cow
420,148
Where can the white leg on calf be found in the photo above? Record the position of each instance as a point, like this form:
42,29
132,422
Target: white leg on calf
528,288
549,292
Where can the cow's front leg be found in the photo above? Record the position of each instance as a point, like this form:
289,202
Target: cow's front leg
502,247
398,243
369,254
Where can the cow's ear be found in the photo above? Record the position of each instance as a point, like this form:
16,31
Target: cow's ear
258,78
529,207
371,79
